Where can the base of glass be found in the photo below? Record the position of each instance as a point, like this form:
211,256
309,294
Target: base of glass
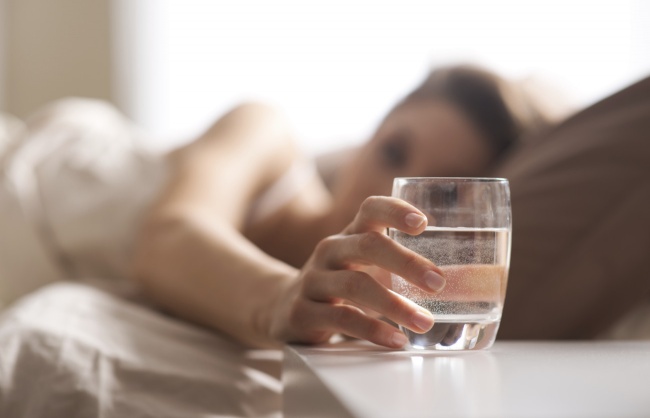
454,336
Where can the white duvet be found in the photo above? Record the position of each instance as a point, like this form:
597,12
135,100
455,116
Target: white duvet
74,182
71,350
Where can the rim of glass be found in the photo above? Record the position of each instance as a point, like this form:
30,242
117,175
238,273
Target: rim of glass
463,179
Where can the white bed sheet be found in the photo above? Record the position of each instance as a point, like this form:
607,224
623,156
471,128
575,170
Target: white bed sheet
72,350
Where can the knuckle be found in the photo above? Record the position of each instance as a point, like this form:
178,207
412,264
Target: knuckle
325,245
411,262
374,329
354,285
344,316
395,212
369,203
393,306
369,241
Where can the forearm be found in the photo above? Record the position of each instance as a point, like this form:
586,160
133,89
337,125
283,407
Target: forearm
204,271
191,256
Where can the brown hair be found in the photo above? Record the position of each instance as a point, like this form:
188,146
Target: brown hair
499,109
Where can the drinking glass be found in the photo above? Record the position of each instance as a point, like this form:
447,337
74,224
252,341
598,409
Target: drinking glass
468,237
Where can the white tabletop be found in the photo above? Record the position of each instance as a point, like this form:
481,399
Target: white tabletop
513,379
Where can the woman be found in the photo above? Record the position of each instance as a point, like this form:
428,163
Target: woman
204,256
242,236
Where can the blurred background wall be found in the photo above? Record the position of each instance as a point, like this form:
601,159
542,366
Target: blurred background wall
334,66
54,49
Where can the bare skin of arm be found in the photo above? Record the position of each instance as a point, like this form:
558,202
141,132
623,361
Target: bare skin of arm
191,237
193,258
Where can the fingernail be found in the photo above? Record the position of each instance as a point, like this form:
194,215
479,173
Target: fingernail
398,339
434,281
423,320
414,220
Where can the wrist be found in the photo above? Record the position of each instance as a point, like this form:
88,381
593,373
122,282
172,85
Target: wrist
273,301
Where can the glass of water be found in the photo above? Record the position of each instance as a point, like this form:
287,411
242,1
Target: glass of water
468,237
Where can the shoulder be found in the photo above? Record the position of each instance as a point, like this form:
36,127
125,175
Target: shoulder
329,164
264,123
252,135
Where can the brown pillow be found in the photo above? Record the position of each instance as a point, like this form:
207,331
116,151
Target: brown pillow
581,221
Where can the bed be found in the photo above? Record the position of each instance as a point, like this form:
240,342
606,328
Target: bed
581,241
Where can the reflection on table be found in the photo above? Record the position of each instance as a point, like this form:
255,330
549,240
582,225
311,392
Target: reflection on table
513,379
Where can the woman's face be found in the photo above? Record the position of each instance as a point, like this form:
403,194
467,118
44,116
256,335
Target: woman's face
418,139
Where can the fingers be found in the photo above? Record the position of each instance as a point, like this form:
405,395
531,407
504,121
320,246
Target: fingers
370,247
374,248
331,276
351,321
363,290
379,212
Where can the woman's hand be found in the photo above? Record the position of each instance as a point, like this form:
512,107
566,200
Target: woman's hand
331,290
